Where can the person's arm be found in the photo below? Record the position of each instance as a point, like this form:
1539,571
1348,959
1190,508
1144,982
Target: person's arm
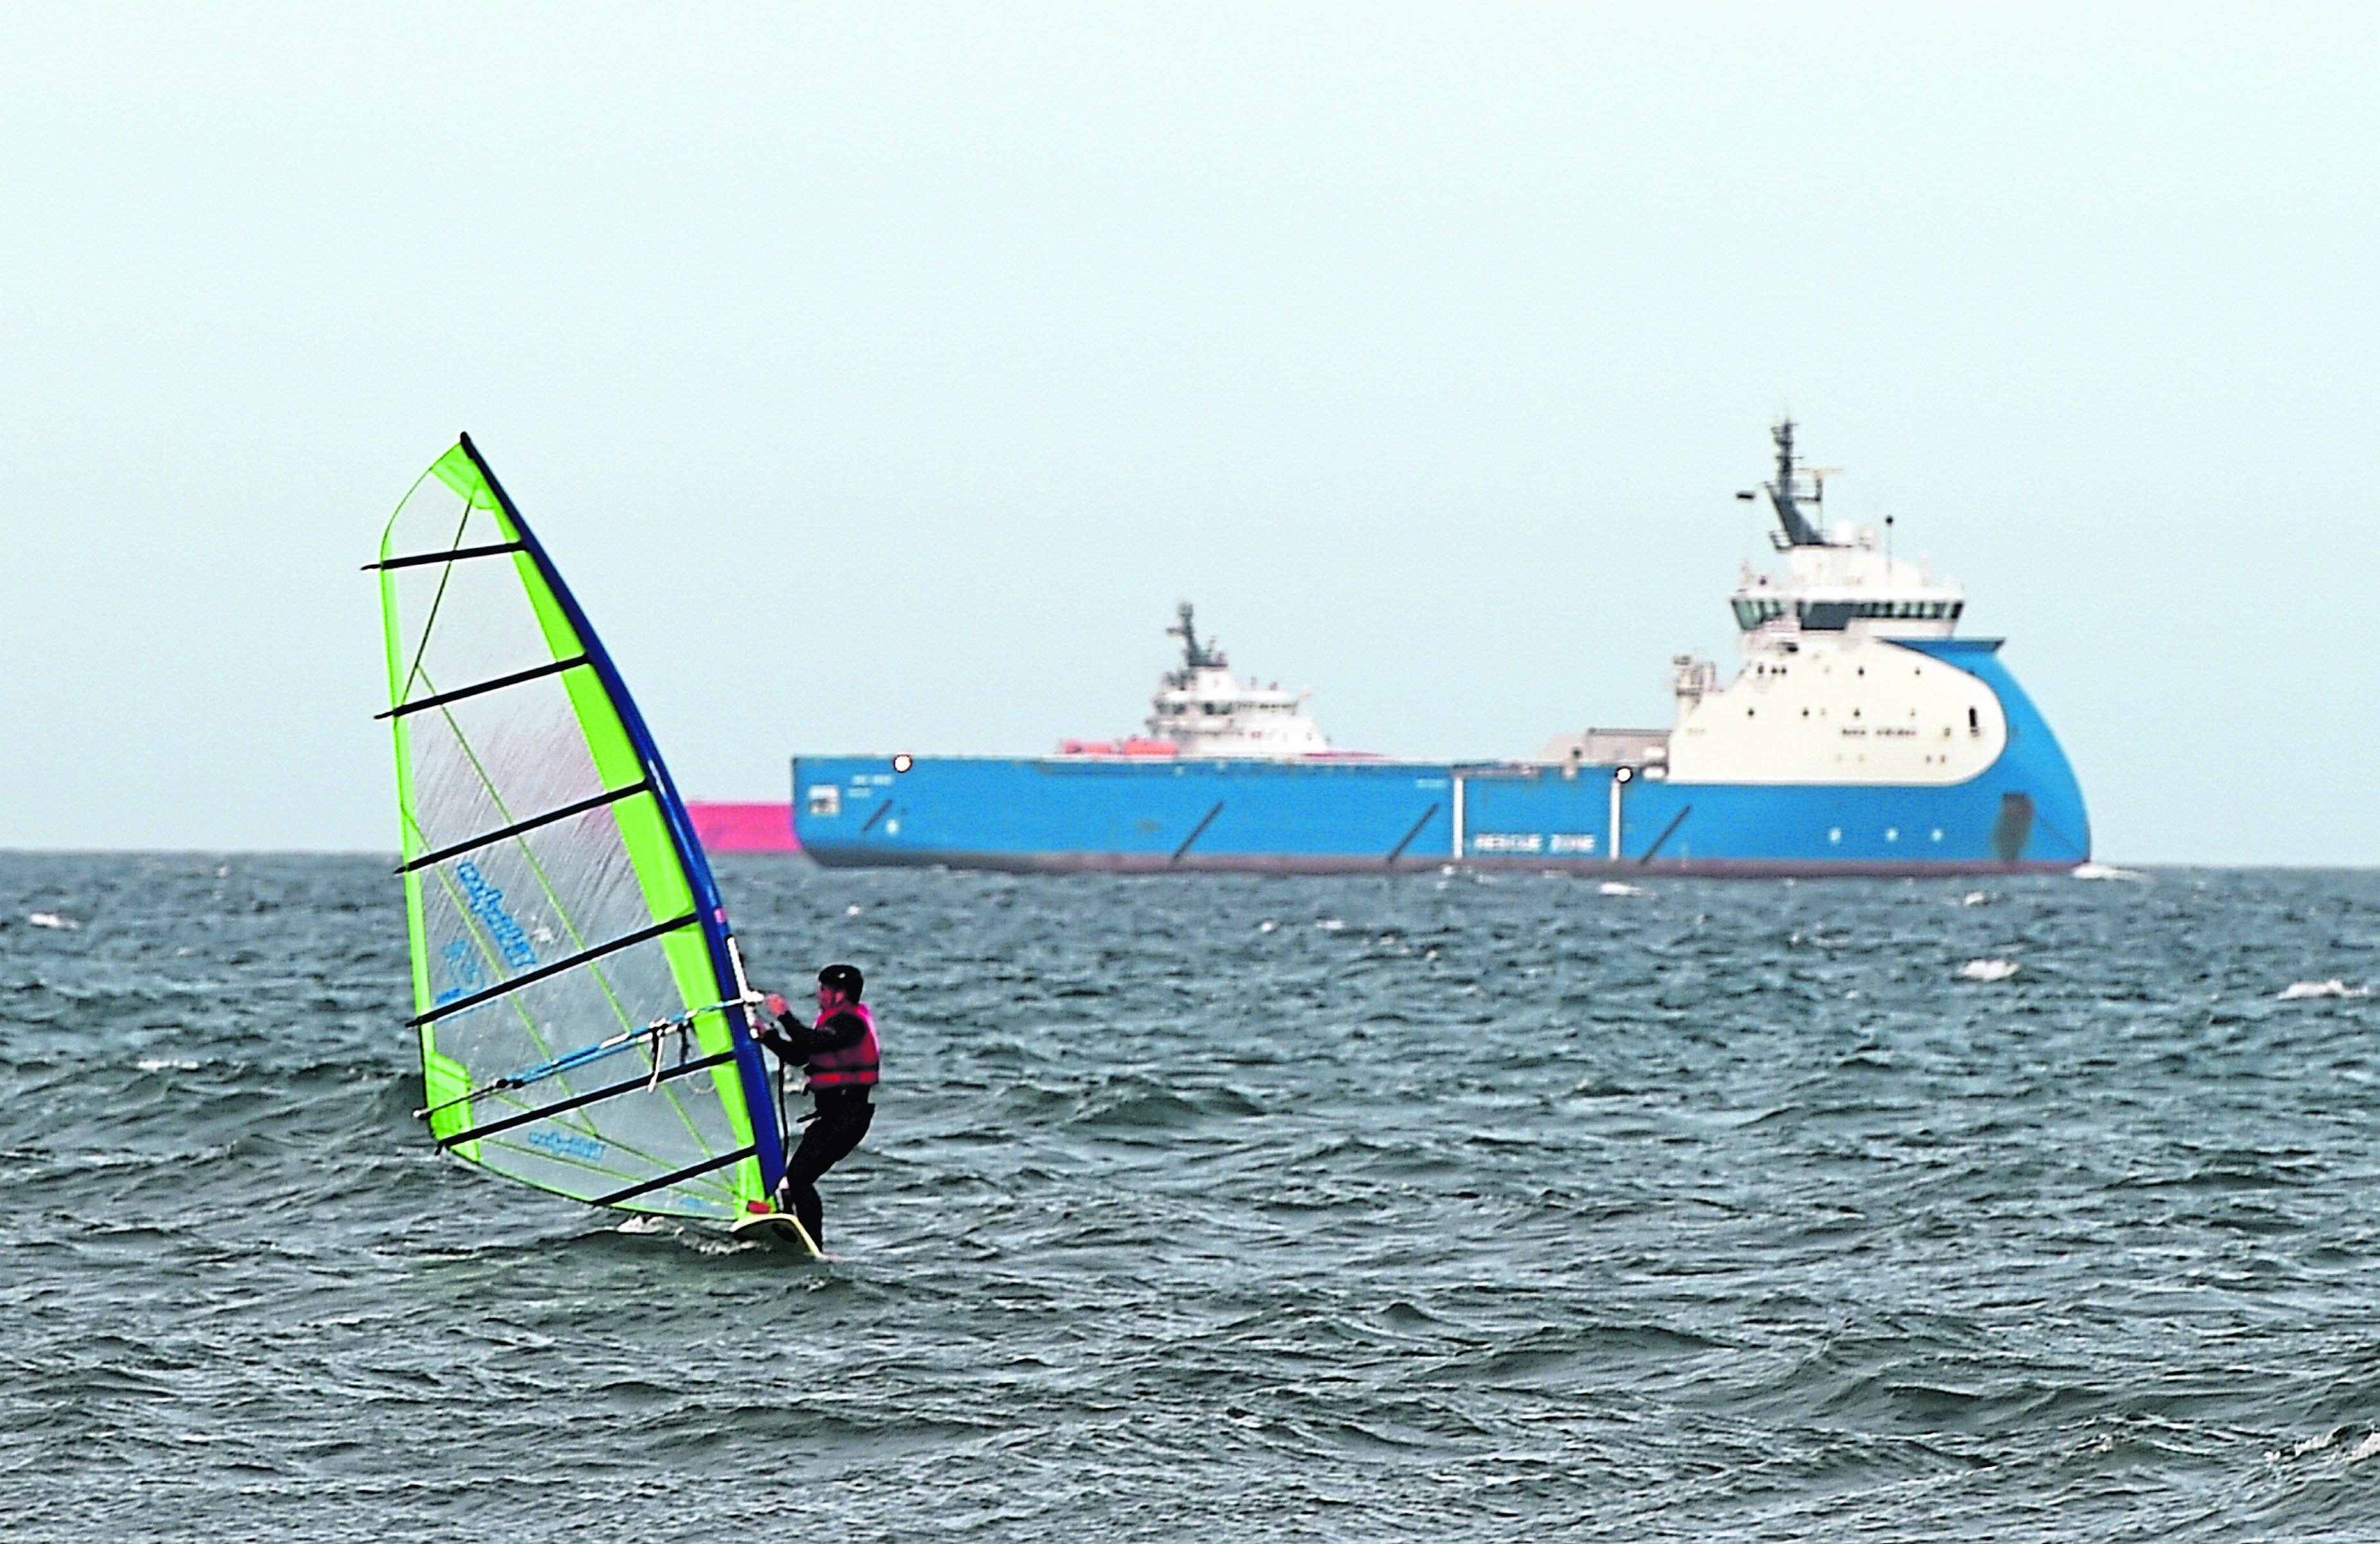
785,1049
796,1041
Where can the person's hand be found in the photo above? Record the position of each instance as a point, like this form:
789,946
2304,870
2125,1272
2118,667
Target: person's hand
776,1005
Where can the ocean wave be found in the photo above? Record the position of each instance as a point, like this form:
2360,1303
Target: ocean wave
1492,1205
2332,988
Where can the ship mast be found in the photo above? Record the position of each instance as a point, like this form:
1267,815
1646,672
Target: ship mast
1786,494
1195,655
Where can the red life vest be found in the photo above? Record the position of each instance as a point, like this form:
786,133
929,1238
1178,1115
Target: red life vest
850,1066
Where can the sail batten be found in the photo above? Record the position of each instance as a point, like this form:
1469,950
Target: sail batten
690,1173
454,555
476,689
490,838
555,896
585,957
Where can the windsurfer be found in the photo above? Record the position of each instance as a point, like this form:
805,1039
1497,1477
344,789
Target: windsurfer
839,1053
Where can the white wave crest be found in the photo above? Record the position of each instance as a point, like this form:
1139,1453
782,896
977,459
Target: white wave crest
2312,1444
1613,887
646,1224
52,919
2332,988
1989,970
2107,872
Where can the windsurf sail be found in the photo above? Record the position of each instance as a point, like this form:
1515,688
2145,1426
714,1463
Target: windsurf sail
585,1022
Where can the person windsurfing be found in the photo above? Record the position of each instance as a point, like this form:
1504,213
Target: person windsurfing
838,1051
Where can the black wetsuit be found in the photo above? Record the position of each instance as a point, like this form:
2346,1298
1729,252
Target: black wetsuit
840,1119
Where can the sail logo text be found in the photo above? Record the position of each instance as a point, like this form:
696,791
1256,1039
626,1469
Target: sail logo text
563,1145
488,906
466,970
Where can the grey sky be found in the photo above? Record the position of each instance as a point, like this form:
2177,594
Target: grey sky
880,377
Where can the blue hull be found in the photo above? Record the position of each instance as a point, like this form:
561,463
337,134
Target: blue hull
1149,816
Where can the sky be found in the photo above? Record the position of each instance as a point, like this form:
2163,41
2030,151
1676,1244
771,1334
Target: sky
883,376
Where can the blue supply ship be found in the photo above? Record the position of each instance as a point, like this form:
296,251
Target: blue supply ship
1859,737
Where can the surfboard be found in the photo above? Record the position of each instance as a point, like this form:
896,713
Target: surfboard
778,1230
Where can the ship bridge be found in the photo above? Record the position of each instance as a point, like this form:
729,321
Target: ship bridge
1840,581
1845,588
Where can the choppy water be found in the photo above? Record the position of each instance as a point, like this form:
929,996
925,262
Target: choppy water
1243,1209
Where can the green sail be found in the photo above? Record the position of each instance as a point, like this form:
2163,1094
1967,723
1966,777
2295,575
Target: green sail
579,996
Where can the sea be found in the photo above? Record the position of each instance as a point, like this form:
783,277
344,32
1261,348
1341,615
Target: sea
1439,1206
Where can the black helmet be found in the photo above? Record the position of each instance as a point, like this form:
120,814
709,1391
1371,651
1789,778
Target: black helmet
844,979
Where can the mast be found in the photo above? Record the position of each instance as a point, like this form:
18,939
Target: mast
1195,655
1785,493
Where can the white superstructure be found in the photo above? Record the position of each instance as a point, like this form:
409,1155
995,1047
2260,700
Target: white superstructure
1824,696
1206,711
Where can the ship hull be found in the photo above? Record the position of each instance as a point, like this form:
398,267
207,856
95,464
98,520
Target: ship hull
1146,815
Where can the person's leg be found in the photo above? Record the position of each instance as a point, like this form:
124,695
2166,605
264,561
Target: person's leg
825,1143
